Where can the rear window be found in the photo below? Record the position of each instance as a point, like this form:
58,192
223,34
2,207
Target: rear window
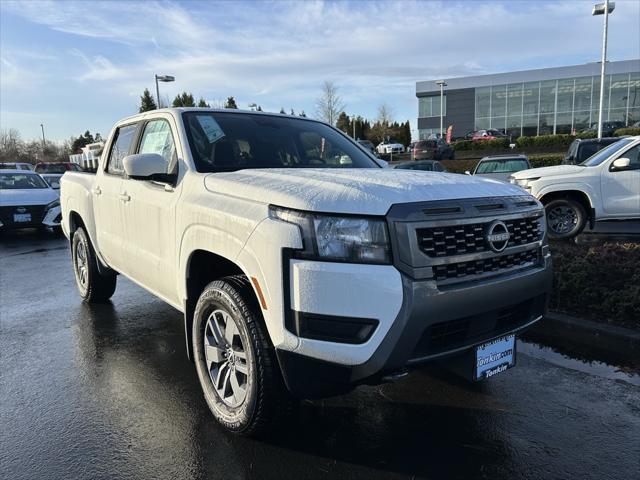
502,166
21,181
426,144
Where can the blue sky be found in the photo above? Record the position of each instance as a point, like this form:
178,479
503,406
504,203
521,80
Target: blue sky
75,65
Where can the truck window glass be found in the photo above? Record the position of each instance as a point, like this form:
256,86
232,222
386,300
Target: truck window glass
120,148
269,141
157,138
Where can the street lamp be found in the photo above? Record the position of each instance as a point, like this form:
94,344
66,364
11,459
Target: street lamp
603,9
441,84
162,78
43,140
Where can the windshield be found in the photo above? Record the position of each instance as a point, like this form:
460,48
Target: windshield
507,165
222,142
606,152
21,181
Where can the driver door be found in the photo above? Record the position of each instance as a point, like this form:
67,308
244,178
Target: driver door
620,188
150,215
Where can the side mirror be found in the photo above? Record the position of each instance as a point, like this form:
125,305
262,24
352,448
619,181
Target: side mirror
467,172
143,166
620,164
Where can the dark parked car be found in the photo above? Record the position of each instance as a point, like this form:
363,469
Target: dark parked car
57,167
500,167
424,165
581,149
432,149
607,127
368,145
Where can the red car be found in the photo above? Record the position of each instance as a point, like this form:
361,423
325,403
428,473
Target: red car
57,167
487,135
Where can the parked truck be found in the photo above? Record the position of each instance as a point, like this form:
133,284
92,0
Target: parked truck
302,267
604,187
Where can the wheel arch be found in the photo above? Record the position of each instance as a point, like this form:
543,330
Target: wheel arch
201,268
578,195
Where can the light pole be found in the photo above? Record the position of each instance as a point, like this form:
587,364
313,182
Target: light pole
603,9
442,84
162,78
43,140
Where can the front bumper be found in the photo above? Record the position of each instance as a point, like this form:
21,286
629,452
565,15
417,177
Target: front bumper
39,217
433,322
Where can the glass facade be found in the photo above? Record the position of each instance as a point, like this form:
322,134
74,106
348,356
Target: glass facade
430,106
556,106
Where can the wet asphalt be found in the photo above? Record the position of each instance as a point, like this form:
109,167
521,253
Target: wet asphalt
107,392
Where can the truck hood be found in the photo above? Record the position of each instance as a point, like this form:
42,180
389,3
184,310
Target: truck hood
30,196
549,171
368,191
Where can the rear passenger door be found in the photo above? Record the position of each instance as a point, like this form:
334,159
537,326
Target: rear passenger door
150,214
107,200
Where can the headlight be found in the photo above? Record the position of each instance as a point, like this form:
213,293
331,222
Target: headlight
523,182
54,204
337,238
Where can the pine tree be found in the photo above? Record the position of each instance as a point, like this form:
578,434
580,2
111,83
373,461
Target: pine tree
203,104
302,114
343,122
147,103
282,111
292,112
184,100
259,109
231,103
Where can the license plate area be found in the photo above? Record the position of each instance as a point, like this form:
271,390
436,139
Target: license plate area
21,217
495,357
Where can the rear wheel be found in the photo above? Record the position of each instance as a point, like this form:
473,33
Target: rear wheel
566,218
235,361
92,285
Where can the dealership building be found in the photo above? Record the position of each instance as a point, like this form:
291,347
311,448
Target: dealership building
532,102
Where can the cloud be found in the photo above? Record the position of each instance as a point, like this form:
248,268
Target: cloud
278,53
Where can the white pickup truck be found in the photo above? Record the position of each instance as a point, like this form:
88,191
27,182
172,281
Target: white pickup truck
606,186
302,267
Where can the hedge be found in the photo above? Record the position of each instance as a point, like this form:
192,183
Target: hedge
548,160
495,144
545,141
600,282
626,131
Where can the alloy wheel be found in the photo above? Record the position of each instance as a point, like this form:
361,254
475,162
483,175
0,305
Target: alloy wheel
226,358
82,264
562,219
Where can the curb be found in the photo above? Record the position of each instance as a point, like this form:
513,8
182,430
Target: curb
610,338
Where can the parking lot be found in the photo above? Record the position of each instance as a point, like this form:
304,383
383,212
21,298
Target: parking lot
107,392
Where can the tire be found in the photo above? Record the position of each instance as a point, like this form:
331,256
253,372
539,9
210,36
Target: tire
566,218
93,286
235,361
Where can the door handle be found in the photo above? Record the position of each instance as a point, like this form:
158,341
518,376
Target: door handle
96,191
124,197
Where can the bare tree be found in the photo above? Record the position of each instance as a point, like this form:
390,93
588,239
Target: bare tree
329,104
385,114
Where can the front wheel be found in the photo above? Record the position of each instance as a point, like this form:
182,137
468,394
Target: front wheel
92,285
235,361
566,218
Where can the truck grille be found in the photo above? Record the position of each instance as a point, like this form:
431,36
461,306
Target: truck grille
455,241
487,265
469,238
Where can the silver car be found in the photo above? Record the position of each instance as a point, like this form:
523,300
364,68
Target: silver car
500,167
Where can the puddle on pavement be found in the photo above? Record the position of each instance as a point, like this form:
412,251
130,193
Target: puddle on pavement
626,373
